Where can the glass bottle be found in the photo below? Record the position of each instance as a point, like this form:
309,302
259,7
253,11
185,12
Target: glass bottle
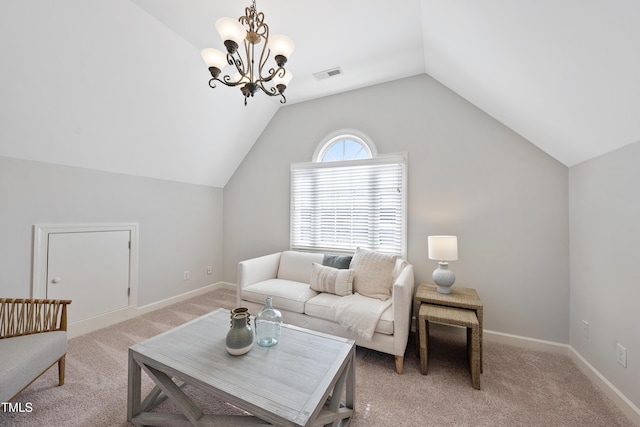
268,325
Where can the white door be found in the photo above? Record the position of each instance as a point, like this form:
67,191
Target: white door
90,268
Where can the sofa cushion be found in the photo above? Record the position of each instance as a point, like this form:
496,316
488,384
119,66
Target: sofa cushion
287,294
296,266
337,261
25,357
373,276
320,307
332,280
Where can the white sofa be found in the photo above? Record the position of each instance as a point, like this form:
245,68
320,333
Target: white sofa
286,277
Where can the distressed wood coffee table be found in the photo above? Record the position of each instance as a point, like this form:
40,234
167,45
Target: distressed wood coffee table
298,382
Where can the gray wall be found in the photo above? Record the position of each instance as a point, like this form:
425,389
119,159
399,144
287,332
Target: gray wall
469,175
180,225
605,272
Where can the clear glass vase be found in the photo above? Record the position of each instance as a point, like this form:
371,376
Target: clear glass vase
268,324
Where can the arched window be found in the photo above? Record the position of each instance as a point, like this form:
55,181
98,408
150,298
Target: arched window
349,197
346,144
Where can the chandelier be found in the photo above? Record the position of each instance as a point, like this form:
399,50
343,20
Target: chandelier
249,47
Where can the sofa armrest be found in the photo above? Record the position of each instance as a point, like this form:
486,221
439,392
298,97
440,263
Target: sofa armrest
256,270
402,306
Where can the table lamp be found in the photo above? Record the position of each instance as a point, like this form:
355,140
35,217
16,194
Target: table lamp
443,249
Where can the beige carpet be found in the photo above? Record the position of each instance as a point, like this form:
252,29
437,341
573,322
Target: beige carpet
519,387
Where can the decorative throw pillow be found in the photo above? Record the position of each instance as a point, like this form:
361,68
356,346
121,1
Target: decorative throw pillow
331,280
337,261
373,273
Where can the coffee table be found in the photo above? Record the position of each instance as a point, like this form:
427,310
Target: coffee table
298,382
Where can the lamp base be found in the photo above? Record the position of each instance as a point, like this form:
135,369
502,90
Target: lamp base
444,278
443,290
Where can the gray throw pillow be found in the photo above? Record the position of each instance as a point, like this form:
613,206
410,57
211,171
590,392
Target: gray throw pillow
337,261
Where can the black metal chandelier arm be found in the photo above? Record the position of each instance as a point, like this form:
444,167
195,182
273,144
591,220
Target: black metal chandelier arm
236,62
250,14
269,91
264,55
273,72
253,19
260,28
272,91
226,80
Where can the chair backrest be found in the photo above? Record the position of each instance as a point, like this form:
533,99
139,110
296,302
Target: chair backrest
30,316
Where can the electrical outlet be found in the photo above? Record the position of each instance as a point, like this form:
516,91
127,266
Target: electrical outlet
585,329
209,269
621,355
185,275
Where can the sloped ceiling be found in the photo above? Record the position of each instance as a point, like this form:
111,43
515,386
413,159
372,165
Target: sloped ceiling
119,85
564,74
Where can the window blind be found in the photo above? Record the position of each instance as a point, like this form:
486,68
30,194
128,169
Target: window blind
339,206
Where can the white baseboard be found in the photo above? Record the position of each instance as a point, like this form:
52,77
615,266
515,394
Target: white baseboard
515,340
525,342
621,401
182,297
91,324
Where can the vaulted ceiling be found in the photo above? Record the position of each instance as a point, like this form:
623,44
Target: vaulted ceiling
119,85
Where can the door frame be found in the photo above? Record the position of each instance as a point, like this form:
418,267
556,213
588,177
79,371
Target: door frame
41,234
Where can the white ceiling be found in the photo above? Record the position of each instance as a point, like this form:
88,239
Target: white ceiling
87,81
327,34
564,74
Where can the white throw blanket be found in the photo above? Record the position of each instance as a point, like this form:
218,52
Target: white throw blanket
359,314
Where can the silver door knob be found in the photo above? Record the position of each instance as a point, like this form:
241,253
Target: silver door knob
56,280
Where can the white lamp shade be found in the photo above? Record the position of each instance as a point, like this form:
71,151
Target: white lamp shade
231,29
443,248
277,80
214,58
280,44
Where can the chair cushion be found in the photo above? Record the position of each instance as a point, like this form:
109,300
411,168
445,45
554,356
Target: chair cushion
373,276
332,280
25,357
286,294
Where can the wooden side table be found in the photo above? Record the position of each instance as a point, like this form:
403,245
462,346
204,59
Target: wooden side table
459,297
452,316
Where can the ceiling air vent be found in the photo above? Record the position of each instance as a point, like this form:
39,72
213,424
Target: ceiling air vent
328,73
